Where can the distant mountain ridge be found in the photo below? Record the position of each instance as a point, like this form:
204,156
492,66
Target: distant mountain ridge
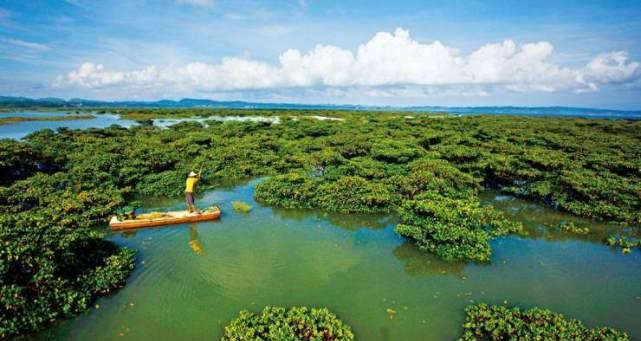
10,101
25,102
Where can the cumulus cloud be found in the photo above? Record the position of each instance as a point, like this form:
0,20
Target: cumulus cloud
389,63
90,75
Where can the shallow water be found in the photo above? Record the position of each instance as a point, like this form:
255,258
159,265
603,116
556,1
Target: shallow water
191,280
165,122
22,129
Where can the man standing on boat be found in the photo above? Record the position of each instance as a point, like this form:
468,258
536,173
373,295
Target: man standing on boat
190,185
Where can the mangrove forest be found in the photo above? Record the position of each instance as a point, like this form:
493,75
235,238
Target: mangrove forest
426,174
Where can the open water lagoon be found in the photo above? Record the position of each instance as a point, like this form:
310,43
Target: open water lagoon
191,280
19,130
22,129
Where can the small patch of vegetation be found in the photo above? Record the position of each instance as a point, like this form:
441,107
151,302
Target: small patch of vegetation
625,243
492,322
298,323
572,228
241,206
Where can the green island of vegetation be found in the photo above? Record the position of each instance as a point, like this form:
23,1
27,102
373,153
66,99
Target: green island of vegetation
495,322
18,119
57,188
297,323
241,206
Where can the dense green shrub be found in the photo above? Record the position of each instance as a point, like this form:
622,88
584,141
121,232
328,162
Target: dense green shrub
298,323
50,271
347,194
587,167
354,194
485,322
293,190
434,175
53,263
395,151
19,161
455,229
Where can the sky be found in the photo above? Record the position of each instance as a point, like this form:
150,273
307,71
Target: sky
455,53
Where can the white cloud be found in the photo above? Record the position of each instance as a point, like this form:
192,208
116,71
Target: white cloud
202,3
389,63
612,68
30,46
90,75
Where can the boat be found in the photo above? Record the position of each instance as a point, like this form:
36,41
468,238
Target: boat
164,218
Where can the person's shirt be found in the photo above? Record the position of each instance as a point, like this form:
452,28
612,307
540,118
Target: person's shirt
190,184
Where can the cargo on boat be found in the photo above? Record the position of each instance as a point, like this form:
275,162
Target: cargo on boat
164,218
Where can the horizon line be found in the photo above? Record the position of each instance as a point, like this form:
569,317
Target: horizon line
343,105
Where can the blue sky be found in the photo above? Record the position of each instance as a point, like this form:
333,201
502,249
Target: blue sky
579,53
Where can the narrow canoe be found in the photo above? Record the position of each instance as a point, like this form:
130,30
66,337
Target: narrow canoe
164,218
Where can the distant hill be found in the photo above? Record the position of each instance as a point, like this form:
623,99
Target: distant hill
24,102
52,102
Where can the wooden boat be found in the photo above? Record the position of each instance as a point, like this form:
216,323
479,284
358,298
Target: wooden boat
164,218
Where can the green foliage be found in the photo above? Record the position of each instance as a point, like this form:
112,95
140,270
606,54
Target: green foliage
625,243
19,161
434,175
293,190
571,228
51,270
129,211
588,167
347,194
241,206
395,152
354,194
485,322
52,262
455,229
298,323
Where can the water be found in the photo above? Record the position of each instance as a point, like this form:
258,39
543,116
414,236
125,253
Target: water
536,111
191,280
22,129
166,122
